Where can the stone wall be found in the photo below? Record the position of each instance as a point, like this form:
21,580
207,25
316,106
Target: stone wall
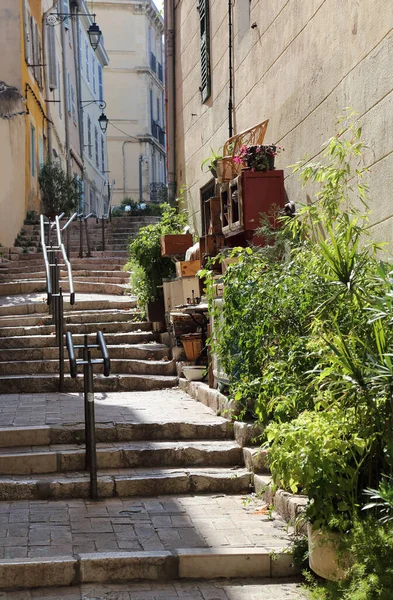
299,64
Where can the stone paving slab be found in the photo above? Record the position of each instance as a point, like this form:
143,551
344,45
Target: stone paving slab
35,529
154,407
255,589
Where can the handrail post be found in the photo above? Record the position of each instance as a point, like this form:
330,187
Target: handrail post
103,233
87,237
92,431
68,242
80,237
61,340
86,396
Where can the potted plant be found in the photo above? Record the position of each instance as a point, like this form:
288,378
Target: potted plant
148,268
213,162
59,192
258,158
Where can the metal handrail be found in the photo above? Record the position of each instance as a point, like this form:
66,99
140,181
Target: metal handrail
65,258
46,261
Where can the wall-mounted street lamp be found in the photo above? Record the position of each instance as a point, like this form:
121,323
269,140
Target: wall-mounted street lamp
102,119
94,32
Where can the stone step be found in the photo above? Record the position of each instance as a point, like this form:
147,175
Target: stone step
120,455
150,538
38,383
78,275
18,305
100,253
102,316
127,482
43,341
151,351
118,367
80,328
106,433
110,264
39,285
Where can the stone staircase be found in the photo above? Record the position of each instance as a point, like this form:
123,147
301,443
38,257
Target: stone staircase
174,496
174,492
28,352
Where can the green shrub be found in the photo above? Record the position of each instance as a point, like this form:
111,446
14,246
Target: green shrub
59,192
147,265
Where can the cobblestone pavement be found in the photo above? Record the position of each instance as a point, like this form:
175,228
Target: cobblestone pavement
161,406
256,589
62,528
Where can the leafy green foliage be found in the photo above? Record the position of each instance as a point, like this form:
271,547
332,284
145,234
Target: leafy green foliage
59,192
382,499
147,265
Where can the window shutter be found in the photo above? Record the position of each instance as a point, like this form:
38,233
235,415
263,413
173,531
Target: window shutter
89,142
87,60
68,93
73,103
205,48
93,71
51,54
80,47
26,31
100,84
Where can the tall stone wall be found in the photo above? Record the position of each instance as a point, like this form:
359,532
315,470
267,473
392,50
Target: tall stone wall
299,64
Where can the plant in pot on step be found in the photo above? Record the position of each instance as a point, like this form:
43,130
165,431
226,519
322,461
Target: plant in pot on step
213,162
148,268
59,192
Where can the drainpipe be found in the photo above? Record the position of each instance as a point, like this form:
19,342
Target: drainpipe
46,80
140,179
65,88
170,100
230,102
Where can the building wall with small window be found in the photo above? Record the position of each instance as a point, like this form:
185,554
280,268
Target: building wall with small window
298,64
93,97
134,86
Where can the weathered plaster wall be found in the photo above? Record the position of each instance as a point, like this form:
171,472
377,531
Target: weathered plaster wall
10,37
12,175
300,66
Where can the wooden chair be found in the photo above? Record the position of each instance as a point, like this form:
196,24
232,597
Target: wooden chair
253,136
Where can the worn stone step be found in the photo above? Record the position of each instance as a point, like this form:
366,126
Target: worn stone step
83,275
38,383
153,351
149,538
118,367
80,328
102,316
109,264
160,430
39,285
18,305
127,482
57,459
38,341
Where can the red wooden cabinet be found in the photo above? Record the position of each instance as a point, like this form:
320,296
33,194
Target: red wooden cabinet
246,197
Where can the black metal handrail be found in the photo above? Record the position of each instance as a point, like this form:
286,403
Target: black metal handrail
87,362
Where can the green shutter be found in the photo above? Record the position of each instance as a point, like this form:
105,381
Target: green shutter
205,48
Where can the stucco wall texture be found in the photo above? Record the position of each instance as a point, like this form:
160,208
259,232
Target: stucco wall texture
300,66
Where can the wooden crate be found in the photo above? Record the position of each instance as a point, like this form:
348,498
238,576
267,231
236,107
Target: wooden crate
211,244
174,245
187,268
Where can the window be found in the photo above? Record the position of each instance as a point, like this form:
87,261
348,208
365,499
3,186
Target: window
89,142
100,84
158,111
87,58
68,92
96,147
52,69
80,47
59,88
33,156
205,49
73,103
102,154
40,152
27,32
66,10
93,70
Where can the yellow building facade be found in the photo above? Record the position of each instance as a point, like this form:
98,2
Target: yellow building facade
33,90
